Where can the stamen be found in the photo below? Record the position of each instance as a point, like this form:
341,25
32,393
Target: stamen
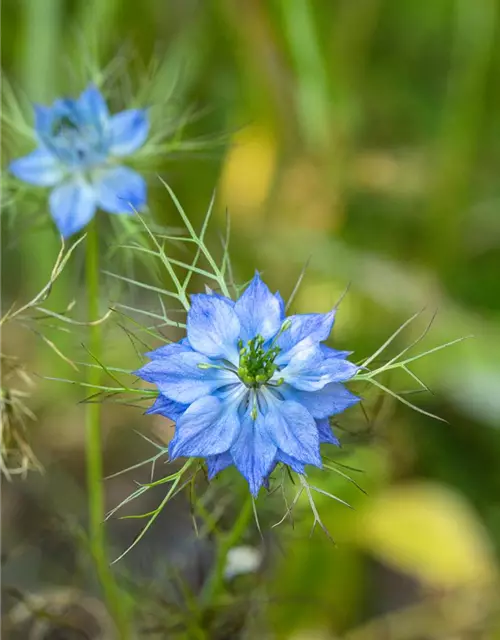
206,365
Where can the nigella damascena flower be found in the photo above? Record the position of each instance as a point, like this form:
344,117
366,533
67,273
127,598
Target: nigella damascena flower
250,387
79,147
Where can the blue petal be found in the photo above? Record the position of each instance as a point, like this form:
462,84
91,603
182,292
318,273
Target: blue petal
167,407
309,370
120,190
211,292
168,350
253,452
258,310
218,463
293,430
328,352
315,326
333,398
326,433
180,378
293,463
129,130
281,302
92,107
72,205
213,327
208,427
39,167
44,117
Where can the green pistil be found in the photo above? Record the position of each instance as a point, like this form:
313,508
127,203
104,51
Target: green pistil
256,364
63,124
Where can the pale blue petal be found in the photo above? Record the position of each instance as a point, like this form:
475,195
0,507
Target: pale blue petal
44,117
293,430
92,107
328,352
213,327
72,206
325,433
180,378
309,370
211,292
120,190
168,350
253,452
258,310
207,428
333,398
281,302
167,407
39,167
315,326
216,464
129,131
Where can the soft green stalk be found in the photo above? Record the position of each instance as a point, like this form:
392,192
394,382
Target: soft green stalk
38,73
215,583
93,443
472,53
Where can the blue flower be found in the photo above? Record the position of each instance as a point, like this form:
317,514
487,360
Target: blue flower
79,146
250,387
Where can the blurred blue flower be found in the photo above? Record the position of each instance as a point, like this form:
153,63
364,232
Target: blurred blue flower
248,386
79,146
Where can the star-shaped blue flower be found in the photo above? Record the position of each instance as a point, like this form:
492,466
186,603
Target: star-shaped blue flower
250,387
79,147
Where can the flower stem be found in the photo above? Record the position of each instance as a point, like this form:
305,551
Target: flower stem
94,464
215,582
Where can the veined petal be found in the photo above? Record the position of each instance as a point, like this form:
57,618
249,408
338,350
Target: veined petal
218,463
129,130
281,302
92,107
305,357
293,463
326,434
253,452
213,327
293,430
309,370
167,407
333,398
211,292
259,311
39,167
119,190
167,350
180,378
72,206
328,352
208,427
315,326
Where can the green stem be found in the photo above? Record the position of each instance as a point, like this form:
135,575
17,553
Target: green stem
215,583
93,445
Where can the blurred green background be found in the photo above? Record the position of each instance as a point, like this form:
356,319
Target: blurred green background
364,135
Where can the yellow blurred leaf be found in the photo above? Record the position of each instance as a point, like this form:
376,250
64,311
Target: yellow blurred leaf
248,172
430,532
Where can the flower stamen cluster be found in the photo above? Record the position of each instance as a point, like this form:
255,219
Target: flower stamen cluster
257,364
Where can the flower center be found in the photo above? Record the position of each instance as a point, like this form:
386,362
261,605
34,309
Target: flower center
64,126
256,364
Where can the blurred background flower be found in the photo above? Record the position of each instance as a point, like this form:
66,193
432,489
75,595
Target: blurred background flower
79,143
366,136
